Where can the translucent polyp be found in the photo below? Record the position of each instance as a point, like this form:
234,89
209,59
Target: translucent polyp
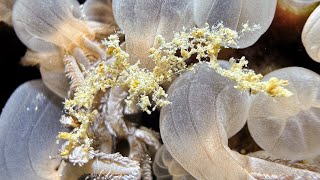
142,21
311,35
202,99
194,130
289,128
52,70
234,14
166,168
28,130
98,10
42,24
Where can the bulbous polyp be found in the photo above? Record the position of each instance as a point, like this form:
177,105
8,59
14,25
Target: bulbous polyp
44,24
289,128
52,70
28,130
142,21
194,130
99,16
204,104
98,11
167,168
234,14
311,35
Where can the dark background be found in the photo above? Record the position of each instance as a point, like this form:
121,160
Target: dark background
12,73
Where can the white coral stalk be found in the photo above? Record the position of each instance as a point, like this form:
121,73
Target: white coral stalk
81,155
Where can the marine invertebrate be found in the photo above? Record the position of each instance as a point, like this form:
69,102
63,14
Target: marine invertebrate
52,69
52,24
234,14
55,29
99,17
164,17
141,83
192,118
166,167
107,83
28,139
310,37
141,30
291,132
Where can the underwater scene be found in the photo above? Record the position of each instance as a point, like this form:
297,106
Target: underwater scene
160,89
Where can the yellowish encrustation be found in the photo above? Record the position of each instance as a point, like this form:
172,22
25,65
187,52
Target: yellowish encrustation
144,87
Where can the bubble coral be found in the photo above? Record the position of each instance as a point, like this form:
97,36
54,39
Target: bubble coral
234,14
52,30
28,140
310,35
166,167
194,119
291,132
113,82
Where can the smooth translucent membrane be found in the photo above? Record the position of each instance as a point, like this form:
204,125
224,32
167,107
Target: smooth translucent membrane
311,35
194,130
235,13
28,129
142,21
99,11
44,24
289,128
167,168
52,70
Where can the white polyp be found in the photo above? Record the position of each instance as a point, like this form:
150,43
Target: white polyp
311,35
98,11
44,24
28,130
234,14
289,128
142,21
193,130
99,16
51,68
165,167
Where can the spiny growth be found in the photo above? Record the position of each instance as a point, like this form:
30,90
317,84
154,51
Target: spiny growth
144,87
